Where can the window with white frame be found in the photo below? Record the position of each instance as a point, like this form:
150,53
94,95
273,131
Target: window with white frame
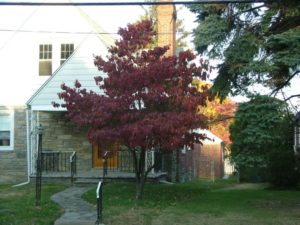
45,60
6,130
65,51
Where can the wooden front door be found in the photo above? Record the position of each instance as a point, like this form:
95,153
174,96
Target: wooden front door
99,151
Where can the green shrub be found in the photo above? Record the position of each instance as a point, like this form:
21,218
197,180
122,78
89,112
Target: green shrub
283,170
252,174
262,142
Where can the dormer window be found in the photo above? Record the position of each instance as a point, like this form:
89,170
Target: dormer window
45,60
65,51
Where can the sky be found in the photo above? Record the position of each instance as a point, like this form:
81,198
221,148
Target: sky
18,18
14,17
51,19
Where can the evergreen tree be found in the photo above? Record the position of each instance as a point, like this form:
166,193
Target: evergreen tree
257,44
262,142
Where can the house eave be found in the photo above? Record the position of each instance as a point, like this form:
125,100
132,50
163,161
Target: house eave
48,108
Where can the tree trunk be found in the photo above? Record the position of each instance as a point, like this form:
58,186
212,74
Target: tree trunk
142,179
140,173
139,191
177,166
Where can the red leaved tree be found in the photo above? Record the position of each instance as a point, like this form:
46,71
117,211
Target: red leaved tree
219,113
220,122
146,101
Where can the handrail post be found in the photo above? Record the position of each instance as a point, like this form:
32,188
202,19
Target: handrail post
39,168
99,196
105,165
73,166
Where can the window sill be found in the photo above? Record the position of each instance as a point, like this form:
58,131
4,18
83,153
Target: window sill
10,149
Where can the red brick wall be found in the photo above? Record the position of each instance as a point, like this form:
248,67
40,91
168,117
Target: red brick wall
166,27
204,161
209,162
187,165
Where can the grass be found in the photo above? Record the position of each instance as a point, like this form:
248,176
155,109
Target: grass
199,203
17,205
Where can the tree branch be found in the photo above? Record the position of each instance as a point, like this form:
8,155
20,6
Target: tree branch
276,90
286,106
285,24
221,119
152,167
149,169
292,96
135,163
248,10
142,161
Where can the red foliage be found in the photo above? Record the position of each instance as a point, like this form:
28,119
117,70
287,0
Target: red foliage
147,99
224,117
219,113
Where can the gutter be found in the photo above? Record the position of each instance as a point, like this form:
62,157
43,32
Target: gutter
28,151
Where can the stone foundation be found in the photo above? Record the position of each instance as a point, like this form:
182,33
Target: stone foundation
61,135
13,163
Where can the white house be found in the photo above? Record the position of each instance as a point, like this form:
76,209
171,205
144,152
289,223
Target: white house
40,54
36,58
51,46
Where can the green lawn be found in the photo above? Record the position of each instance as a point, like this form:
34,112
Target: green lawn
17,205
196,203
199,203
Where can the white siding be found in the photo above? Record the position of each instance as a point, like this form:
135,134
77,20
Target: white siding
19,49
80,66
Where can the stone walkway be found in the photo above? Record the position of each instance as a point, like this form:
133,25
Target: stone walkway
77,211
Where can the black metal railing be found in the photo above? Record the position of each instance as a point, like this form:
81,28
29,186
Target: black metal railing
118,161
125,164
122,161
73,166
56,161
99,196
105,165
65,161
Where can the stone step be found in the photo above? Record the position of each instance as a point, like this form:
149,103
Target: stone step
82,180
92,177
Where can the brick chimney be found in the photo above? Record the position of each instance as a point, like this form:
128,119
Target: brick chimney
166,26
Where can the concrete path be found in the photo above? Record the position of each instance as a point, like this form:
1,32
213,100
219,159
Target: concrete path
77,211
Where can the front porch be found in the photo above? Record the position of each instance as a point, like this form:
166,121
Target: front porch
94,175
114,167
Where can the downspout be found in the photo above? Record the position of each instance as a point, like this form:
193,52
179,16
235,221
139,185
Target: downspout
28,151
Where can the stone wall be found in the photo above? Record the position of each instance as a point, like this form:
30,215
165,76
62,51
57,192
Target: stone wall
61,135
13,163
